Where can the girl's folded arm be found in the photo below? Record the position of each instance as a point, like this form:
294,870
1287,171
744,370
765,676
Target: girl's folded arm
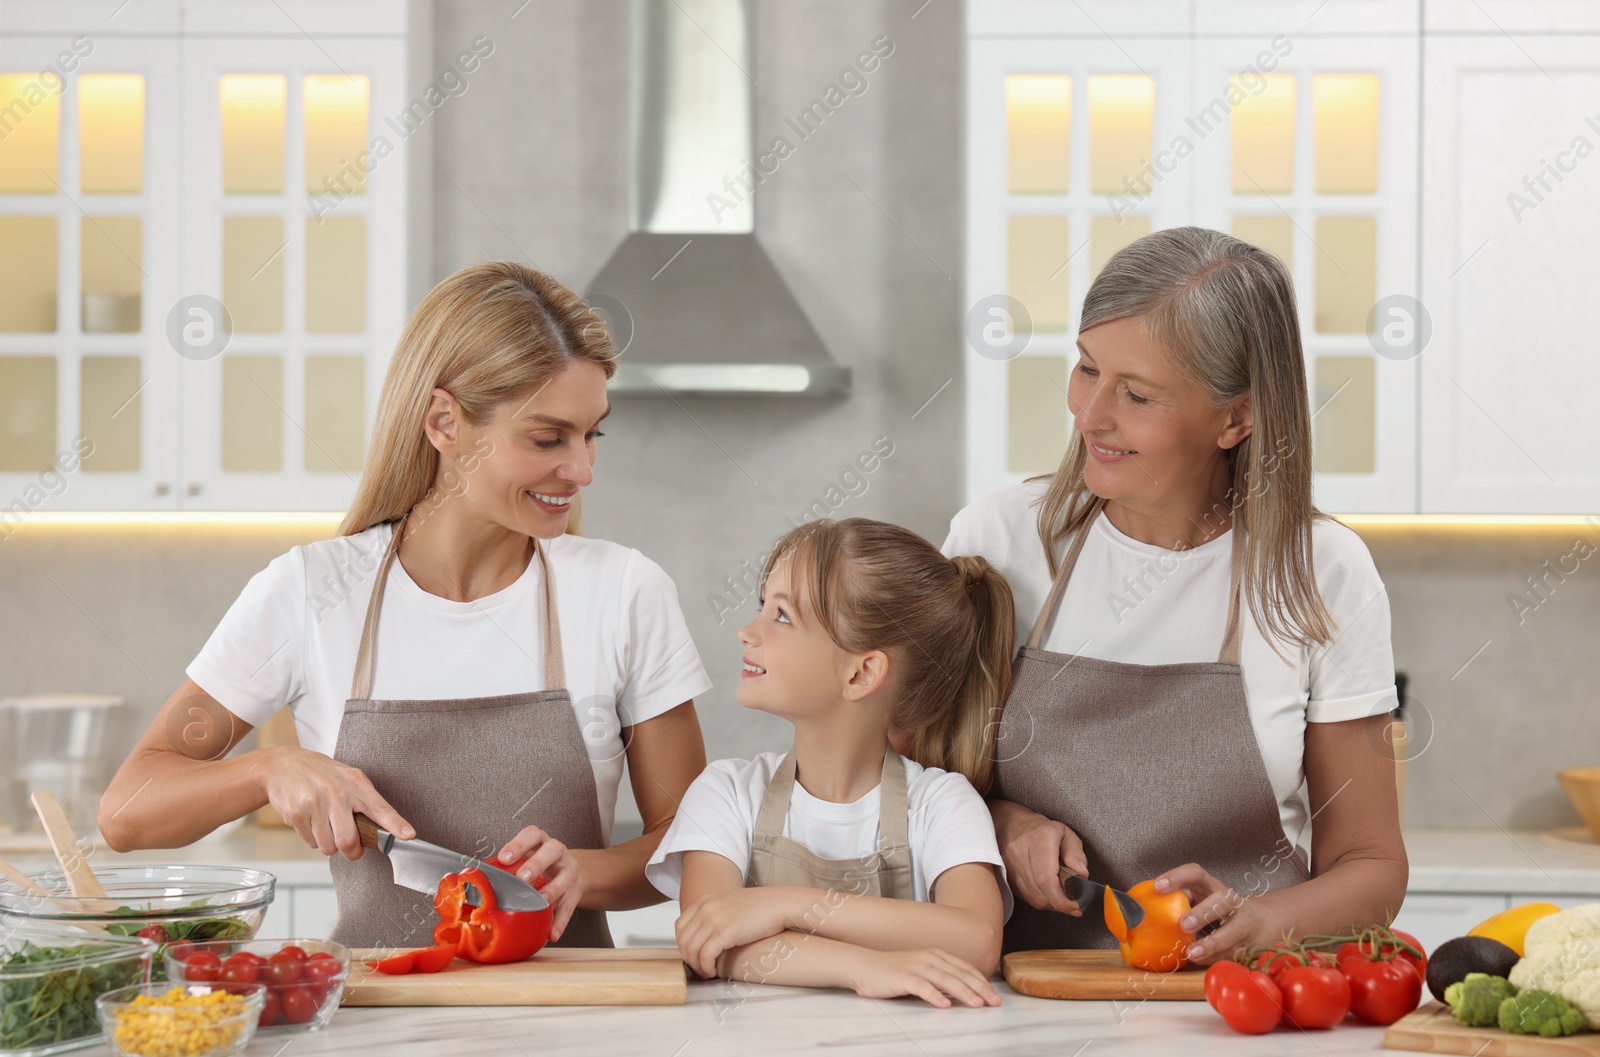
780,957
966,917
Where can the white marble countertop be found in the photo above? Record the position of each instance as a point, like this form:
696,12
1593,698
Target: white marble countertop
740,1020
1491,861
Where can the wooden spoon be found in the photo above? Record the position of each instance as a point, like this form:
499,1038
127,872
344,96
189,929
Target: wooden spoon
22,880
80,878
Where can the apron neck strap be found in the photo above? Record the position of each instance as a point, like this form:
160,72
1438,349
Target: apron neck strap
1059,585
1229,654
554,669
892,801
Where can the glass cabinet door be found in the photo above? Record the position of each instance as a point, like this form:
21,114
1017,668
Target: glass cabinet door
294,160
1305,153
1068,159
89,168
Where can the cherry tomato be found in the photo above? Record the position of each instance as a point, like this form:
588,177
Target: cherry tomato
181,950
321,966
291,949
1314,997
270,1010
1250,1002
286,966
155,932
249,956
1381,992
299,1005
202,967
240,968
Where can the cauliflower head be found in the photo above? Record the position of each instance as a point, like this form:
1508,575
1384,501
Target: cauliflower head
1562,956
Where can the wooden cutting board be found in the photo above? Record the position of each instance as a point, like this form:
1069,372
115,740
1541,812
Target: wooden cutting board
1430,1030
642,976
1098,975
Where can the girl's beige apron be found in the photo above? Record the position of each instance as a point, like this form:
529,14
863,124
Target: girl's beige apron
778,860
468,773
1152,765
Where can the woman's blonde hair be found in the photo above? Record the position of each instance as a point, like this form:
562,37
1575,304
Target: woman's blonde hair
486,334
947,624
1223,311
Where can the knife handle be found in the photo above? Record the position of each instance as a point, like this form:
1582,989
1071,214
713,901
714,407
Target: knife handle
371,834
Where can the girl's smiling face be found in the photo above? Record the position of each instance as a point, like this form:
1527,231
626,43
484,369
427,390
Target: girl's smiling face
792,666
1153,437
523,467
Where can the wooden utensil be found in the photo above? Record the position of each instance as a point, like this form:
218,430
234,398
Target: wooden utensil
80,878
1097,975
22,880
1431,1030
562,976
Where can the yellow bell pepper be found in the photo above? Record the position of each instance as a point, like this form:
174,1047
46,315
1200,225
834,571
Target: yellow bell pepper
1510,927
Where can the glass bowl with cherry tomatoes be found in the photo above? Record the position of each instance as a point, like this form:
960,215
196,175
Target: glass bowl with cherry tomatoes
304,978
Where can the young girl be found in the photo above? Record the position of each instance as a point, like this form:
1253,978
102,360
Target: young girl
843,864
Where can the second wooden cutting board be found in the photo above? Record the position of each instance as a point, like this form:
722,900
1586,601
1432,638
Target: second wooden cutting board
1096,975
651,976
1431,1030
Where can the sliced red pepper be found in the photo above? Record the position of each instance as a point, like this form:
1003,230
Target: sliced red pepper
486,933
421,960
396,964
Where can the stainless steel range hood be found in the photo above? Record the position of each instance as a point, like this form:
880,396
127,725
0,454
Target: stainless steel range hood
710,314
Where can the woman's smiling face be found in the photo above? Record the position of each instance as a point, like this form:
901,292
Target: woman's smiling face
1153,435
522,468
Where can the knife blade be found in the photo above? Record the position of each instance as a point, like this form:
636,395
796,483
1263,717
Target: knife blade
1083,892
420,866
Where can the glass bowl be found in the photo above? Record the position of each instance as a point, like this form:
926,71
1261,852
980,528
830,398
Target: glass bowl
39,963
166,904
323,988
138,1023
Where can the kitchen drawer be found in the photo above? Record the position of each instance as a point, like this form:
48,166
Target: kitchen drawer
1435,917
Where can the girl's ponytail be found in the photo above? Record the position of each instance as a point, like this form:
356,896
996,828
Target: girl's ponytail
962,739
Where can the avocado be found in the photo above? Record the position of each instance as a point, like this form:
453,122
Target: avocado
1454,959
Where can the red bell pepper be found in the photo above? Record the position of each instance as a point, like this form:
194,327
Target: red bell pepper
421,960
486,933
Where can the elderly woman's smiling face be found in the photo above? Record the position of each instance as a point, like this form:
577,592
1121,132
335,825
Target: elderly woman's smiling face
1156,442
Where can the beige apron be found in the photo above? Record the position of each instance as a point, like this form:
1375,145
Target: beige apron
1153,766
779,860
468,773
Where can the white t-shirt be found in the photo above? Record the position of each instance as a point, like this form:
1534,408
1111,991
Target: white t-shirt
947,823
292,635
1142,604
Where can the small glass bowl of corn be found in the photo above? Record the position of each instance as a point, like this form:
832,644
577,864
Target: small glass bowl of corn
180,1020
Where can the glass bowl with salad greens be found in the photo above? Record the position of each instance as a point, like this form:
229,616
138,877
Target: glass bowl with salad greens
173,906
50,978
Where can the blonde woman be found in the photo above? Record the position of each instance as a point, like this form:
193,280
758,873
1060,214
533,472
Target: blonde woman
1203,640
460,665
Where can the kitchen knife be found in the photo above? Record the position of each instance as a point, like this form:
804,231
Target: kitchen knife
420,866
1083,891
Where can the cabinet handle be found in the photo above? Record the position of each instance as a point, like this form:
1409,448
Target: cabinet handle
194,488
163,488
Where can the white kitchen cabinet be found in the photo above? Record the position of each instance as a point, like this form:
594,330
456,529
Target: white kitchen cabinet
1298,144
1104,20
1435,917
1509,225
1315,162
1066,163
279,919
646,926
266,157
